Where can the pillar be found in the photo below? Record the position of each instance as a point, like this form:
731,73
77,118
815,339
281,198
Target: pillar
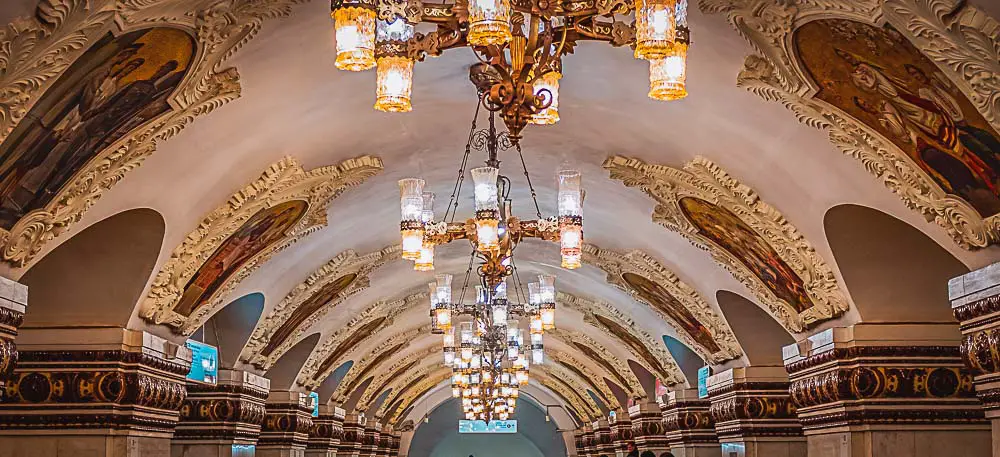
370,439
221,420
327,430
647,427
602,438
621,434
13,299
350,443
589,441
886,390
578,442
753,413
688,425
287,423
975,301
112,392
394,444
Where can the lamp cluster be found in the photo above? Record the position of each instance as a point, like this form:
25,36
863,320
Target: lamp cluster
524,40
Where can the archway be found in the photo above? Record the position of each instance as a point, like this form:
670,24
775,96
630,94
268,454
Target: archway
283,373
230,328
688,360
760,336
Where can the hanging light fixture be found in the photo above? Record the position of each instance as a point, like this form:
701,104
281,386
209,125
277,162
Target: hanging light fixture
548,83
411,227
354,23
655,28
570,218
394,78
489,22
668,73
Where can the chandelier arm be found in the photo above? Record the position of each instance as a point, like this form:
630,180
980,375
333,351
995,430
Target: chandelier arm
457,190
468,273
534,195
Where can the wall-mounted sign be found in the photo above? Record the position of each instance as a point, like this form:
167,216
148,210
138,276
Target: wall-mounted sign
204,362
703,374
244,450
612,416
314,400
466,426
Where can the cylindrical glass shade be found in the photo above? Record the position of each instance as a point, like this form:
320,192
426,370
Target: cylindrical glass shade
466,335
536,339
397,30
547,288
442,294
427,213
355,29
449,358
448,340
501,292
489,22
537,356
393,84
425,262
456,392
535,325
668,75
570,193
485,181
411,200
443,316
571,261
571,245
655,28
550,82
499,315
413,242
487,235
534,298
548,316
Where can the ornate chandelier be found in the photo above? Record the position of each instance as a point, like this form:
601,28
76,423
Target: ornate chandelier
488,353
519,42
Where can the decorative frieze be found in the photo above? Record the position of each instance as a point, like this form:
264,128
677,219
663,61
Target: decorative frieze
647,427
13,299
751,407
287,424
350,443
621,433
326,433
219,416
688,424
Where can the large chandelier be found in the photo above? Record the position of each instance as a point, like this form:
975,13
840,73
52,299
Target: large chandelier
519,42
483,341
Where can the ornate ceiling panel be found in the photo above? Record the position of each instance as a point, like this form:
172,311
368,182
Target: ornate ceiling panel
370,362
748,237
604,358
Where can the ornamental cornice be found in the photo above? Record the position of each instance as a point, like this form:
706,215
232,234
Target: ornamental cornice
616,263
37,50
584,372
373,359
383,380
623,372
701,179
284,181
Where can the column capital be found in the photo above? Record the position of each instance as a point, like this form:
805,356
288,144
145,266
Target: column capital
13,302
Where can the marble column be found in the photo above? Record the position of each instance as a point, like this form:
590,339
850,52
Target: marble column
394,444
975,301
886,390
106,392
621,434
221,420
602,438
327,430
13,299
753,413
287,423
688,425
354,431
647,427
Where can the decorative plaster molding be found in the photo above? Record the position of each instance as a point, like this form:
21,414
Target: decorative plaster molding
570,377
345,263
670,373
615,264
381,309
587,375
632,386
956,36
283,181
568,390
36,50
417,389
354,374
384,377
704,180
407,387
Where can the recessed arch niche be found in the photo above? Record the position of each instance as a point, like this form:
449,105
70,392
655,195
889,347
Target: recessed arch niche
230,328
330,384
96,277
893,271
355,397
620,395
688,360
760,336
283,373
646,379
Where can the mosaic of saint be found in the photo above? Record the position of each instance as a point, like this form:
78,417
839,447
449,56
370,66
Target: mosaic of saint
324,295
350,342
116,86
729,232
628,338
877,76
262,230
659,298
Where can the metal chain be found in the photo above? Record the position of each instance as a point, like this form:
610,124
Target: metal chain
456,191
534,196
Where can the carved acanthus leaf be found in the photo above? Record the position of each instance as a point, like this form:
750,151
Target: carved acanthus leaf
567,336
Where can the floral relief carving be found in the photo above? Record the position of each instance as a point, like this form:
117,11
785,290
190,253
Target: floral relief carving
963,43
384,377
313,291
284,181
568,390
679,304
371,321
411,390
617,366
654,357
369,362
571,366
36,50
809,292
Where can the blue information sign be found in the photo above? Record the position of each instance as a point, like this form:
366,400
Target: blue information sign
703,374
204,362
314,398
466,426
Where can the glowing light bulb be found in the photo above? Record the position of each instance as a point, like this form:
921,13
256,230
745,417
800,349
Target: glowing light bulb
394,81
355,33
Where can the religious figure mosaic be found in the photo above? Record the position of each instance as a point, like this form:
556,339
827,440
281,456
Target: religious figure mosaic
116,86
325,295
666,303
877,76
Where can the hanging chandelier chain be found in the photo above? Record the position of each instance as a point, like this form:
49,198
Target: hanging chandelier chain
456,191
534,195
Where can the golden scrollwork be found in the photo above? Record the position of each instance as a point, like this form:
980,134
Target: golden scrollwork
283,181
703,180
36,50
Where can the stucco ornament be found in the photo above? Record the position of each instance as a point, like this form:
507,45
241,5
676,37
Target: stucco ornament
384,310
961,40
36,50
632,385
568,389
283,181
369,363
616,263
582,371
386,376
415,383
409,396
348,262
670,373
702,179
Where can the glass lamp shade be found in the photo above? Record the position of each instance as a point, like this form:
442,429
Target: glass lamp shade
394,80
522,377
413,242
501,293
487,235
448,340
547,288
571,261
489,22
427,208
443,316
668,75
535,325
449,358
570,245
442,292
549,82
536,339
411,199
425,262
570,193
456,392
655,28
485,181
355,31
466,336
534,298
499,315
397,30
548,316
537,356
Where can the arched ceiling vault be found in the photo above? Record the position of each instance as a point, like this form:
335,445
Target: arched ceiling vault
303,141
